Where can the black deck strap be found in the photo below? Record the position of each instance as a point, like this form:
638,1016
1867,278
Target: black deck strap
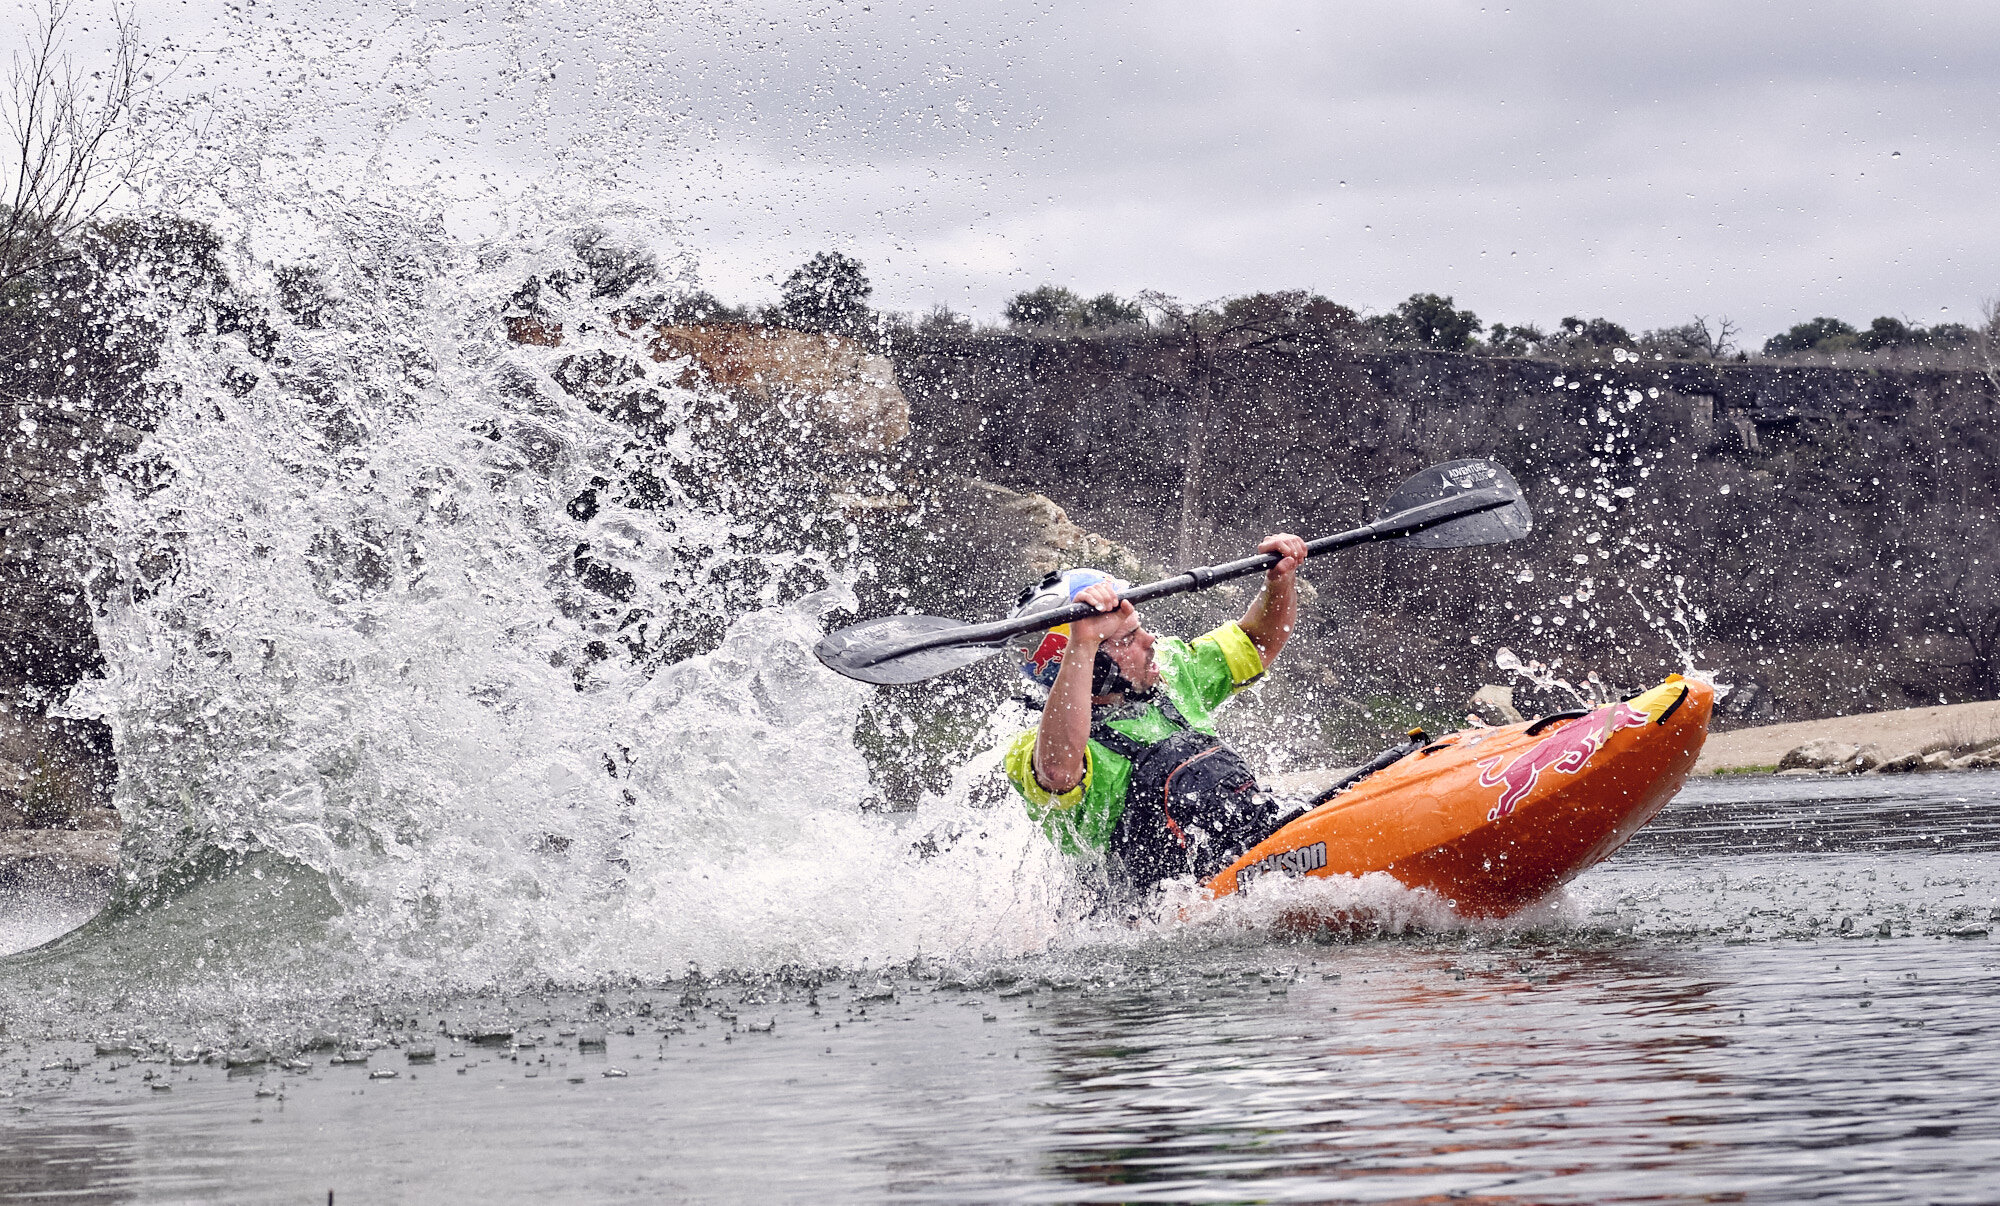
1394,754
1555,718
1674,706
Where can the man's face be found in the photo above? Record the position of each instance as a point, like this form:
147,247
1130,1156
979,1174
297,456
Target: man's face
1131,647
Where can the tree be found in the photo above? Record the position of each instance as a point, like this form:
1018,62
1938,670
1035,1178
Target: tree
1887,332
1044,307
1585,333
1522,340
1109,310
616,268
62,129
1429,320
943,320
828,292
1807,336
1052,307
1695,340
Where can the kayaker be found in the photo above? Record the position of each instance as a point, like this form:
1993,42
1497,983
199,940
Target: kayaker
1125,761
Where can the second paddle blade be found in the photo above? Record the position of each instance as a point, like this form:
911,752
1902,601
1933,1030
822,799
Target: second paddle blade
866,651
1510,522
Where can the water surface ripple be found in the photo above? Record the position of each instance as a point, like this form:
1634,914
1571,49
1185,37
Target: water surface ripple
1784,992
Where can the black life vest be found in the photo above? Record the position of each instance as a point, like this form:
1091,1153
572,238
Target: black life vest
1191,806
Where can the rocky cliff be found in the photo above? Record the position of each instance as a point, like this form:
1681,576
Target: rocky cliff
1826,538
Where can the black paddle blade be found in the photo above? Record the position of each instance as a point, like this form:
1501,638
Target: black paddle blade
857,651
1498,526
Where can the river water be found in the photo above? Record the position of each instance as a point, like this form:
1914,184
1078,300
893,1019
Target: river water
1783,990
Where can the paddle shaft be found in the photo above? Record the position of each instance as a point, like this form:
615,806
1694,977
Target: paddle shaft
1389,527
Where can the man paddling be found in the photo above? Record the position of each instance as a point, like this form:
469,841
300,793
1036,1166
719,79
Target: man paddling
1125,760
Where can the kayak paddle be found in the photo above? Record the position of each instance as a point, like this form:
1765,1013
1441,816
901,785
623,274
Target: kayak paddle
1453,505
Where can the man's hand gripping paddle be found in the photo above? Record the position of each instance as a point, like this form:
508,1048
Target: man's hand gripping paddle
1454,505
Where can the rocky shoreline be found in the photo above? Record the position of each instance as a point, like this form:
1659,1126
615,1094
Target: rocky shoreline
1946,737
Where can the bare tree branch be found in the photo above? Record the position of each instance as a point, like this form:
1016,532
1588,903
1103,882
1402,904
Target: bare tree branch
1712,342
62,127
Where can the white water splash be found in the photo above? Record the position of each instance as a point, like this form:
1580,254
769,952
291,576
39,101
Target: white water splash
343,624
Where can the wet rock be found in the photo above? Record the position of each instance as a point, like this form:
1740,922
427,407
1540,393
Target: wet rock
1869,757
1819,755
1901,764
1034,533
1494,704
1915,761
590,1038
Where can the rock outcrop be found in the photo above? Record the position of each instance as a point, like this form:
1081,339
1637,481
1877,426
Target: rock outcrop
835,390
1032,535
1846,758
844,393
1494,704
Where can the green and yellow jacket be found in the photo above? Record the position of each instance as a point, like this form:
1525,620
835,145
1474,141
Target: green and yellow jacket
1197,676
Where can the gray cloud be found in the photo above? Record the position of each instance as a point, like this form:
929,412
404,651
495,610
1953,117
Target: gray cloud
1533,160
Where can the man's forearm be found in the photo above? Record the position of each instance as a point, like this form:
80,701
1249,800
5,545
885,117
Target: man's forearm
1063,738
1269,621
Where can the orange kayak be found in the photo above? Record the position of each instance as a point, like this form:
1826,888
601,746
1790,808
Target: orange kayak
1495,819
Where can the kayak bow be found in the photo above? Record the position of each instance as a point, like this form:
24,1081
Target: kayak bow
1495,819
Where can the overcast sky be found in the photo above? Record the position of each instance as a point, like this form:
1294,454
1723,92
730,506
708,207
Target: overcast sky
1642,162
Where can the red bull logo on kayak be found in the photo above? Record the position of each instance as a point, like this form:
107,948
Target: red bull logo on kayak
1563,752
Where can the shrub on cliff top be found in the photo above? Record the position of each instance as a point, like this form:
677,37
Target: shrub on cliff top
828,292
1428,320
1807,335
1885,333
1052,307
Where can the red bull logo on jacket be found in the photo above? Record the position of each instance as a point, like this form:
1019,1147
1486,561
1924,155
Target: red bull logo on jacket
1563,752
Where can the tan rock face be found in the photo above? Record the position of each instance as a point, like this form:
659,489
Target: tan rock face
1044,538
1497,700
847,393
